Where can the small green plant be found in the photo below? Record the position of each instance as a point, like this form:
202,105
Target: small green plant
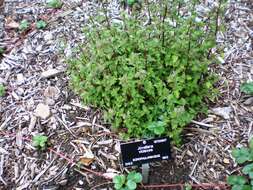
40,142
2,90
243,156
56,4
1,51
24,25
187,186
247,88
129,182
41,24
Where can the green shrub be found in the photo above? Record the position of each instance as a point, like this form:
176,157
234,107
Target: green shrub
243,155
149,79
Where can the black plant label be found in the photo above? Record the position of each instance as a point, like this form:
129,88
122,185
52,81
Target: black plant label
145,151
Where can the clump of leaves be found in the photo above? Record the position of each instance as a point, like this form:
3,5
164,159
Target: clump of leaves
24,25
247,88
149,79
129,182
40,142
243,155
41,24
56,4
2,90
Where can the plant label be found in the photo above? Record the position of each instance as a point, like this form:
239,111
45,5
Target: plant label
145,151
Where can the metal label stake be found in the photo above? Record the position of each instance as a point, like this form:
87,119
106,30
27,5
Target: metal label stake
145,172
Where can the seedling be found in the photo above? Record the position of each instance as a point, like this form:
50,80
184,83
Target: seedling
40,142
247,88
1,51
129,182
24,25
41,24
55,4
243,156
2,90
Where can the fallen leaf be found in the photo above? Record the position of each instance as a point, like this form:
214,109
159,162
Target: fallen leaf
86,161
12,25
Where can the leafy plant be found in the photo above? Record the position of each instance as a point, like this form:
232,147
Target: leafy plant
56,4
41,24
243,156
149,79
247,88
129,182
24,25
2,90
40,142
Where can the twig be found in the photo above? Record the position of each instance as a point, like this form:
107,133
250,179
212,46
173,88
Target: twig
194,167
71,132
201,123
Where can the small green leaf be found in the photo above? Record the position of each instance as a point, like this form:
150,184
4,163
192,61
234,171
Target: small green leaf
174,59
2,90
157,127
1,51
251,175
131,2
136,177
236,180
119,179
246,187
56,4
247,169
41,24
247,88
131,184
241,187
117,186
24,25
251,144
188,187
159,130
39,141
241,155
